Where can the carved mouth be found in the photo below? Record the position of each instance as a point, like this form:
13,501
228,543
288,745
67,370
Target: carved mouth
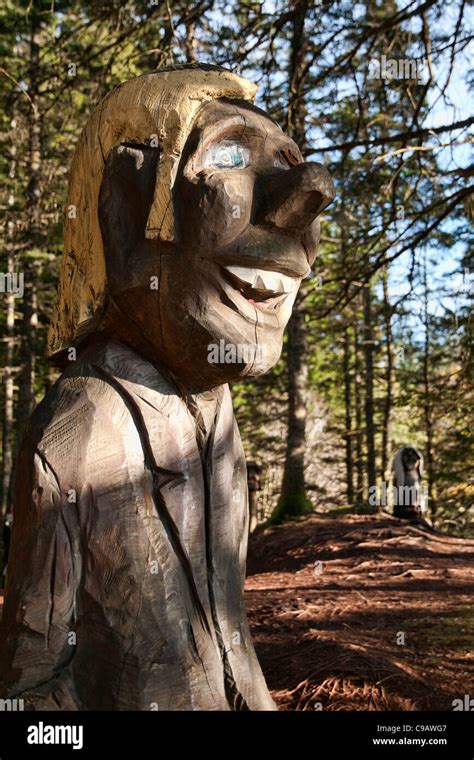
264,289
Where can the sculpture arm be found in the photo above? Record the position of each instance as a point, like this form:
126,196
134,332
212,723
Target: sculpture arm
42,579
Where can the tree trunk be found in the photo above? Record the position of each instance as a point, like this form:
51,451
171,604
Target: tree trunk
293,500
26,397
9,340
348,416
369,388
387,407
296,115
427,406
190,43
359,463
253,511
8,384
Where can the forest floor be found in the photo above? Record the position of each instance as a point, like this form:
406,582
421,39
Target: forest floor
353,612
358,612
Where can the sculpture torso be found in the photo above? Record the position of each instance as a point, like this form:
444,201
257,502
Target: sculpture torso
141,564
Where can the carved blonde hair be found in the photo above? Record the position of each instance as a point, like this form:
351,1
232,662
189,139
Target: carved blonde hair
162,104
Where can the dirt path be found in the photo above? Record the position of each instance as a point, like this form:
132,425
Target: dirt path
332,599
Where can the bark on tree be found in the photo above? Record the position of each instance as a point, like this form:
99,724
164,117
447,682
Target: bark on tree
26,398
293,500
8,384
359,433
348,415
427,404
9,341
389,370
369,387
190,42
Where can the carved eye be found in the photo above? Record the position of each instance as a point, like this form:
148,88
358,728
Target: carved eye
227,155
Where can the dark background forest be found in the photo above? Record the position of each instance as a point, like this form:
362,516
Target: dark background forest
379,349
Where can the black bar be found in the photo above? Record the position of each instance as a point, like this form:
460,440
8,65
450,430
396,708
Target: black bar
159,734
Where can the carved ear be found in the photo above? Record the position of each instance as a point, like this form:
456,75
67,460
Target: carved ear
125,198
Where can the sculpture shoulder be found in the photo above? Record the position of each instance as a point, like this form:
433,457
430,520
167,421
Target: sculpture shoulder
83,400
81,436
69,406
93,400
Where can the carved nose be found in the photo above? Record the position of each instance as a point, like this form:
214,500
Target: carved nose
291,200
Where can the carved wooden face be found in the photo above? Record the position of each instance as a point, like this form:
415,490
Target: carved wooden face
213,305
411,458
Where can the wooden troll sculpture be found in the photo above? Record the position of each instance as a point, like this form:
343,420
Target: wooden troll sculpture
192,220
407,470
